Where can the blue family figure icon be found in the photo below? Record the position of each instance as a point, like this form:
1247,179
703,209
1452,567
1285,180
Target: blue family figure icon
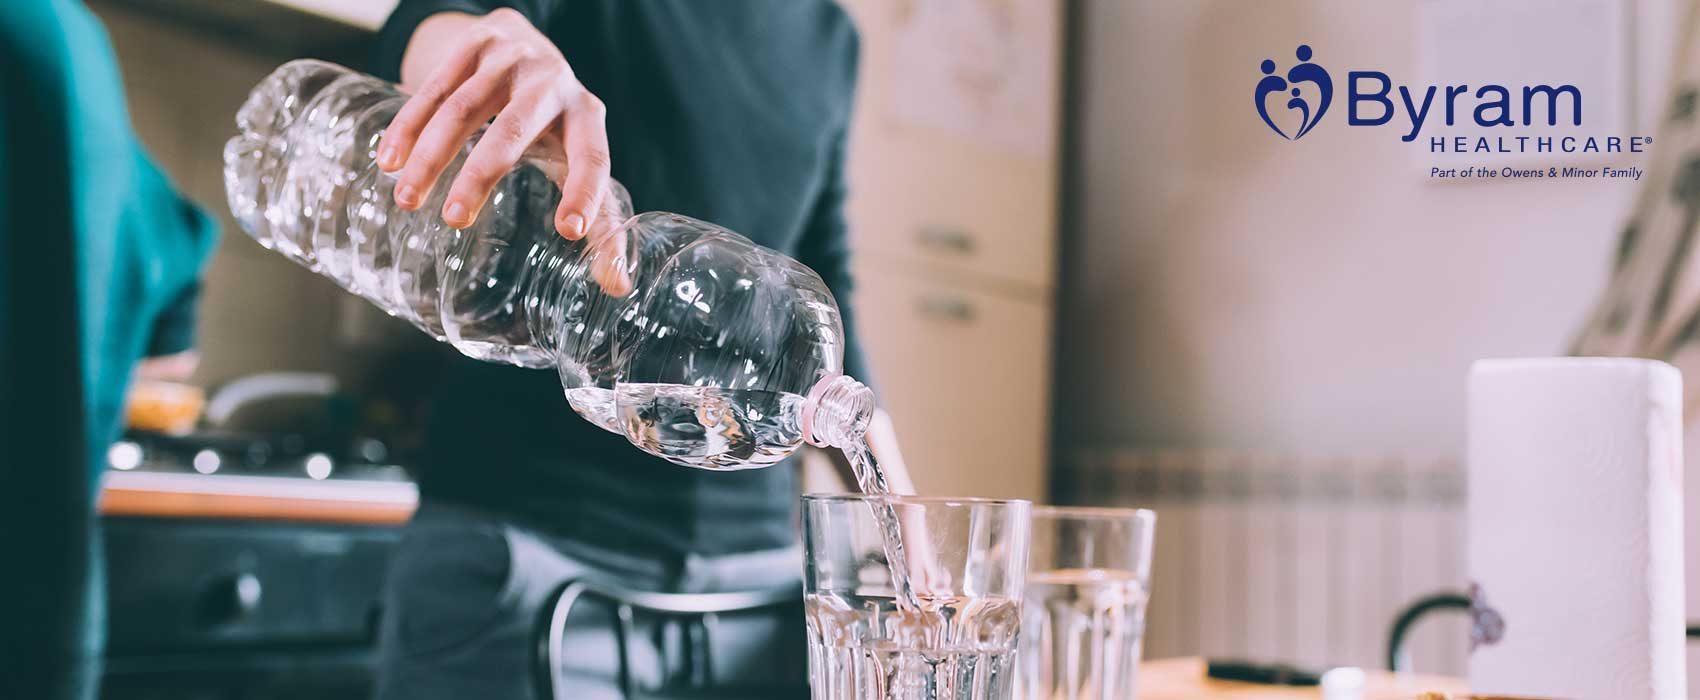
1307,72
1298,103
1269,84
1304,72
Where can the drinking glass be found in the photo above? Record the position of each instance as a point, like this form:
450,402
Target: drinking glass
1084,615
951,635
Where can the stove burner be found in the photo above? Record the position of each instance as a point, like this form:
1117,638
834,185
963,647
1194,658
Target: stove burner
213,454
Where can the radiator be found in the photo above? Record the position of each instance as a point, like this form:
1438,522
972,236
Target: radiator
1293,558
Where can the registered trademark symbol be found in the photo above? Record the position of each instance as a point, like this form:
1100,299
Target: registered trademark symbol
1649,140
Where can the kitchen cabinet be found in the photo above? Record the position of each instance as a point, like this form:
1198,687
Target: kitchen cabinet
954,165
955,157
242,609
965,376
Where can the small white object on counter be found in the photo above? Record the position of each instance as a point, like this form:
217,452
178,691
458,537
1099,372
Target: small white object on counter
1575,521
1343,683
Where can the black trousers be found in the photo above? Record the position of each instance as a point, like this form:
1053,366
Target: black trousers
465,588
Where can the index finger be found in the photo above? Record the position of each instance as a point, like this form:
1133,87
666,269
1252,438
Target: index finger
501,146
403,132
588,162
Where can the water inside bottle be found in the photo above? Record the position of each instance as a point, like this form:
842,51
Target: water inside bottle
596,405
709,427
727,429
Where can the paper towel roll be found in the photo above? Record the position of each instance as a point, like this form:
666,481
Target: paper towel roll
1575,483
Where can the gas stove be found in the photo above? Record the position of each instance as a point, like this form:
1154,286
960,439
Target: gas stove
236,454
246,566
247,477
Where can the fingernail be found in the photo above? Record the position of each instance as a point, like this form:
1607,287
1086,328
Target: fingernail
387,158
455,214
407,195
574,223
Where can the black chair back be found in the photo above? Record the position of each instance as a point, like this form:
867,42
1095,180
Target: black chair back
1398,660
695,615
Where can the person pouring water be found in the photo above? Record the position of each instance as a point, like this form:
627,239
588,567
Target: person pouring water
733,111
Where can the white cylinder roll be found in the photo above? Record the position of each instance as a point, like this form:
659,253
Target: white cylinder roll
1575,522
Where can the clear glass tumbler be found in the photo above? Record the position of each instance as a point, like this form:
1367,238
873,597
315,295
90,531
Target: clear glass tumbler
953,637
1084,612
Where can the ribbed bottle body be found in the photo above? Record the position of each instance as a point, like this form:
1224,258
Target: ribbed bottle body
694,342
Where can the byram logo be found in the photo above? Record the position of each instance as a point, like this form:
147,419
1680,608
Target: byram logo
1374,99
1310,105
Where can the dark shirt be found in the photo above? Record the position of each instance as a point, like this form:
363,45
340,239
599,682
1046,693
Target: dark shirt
730,111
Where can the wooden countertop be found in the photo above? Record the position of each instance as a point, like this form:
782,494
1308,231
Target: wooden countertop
1184,679
365,14
159,495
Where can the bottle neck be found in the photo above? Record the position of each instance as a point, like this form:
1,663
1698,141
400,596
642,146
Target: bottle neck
838,412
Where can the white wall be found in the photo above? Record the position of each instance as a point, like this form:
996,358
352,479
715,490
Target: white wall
1227,288
1230,288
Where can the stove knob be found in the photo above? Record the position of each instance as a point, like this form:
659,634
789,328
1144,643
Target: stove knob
231,598
247,590
258,454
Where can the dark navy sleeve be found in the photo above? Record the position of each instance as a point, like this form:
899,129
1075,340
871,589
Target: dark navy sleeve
174,328
398,29
185,235
825,248
825,245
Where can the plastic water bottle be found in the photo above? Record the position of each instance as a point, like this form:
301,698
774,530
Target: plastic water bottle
698,345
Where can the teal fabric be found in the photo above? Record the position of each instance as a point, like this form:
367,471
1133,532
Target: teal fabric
97,252
139,246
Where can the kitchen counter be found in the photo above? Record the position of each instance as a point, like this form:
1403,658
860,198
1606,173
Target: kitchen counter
1184,679
364,14
243,497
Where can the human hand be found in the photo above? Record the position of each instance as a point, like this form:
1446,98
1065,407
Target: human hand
175,367
495,66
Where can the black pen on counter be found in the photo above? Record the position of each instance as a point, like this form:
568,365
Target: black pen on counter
1268,674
